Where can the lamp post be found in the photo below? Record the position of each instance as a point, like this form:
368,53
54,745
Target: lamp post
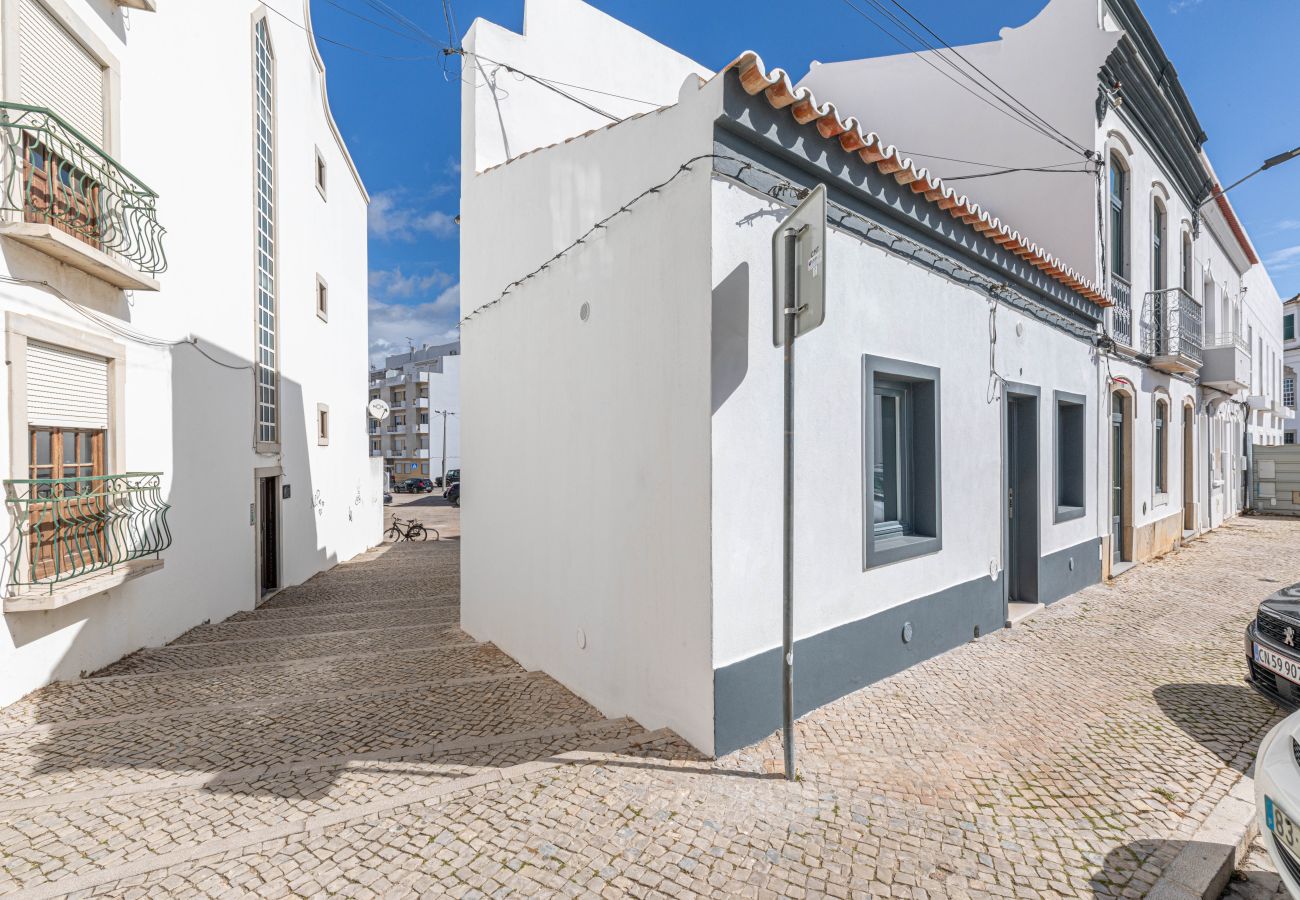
1268,164
444,413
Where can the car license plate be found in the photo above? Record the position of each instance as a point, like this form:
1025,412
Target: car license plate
1286,831
1276,662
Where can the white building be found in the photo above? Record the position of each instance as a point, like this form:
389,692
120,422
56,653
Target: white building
955,427
421,436
1290,365
1196,325
183,285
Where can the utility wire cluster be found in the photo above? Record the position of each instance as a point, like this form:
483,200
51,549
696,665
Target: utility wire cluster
916,37
116,327
773,186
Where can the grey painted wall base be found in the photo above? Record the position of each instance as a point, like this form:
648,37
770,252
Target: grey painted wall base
1055,577
747,694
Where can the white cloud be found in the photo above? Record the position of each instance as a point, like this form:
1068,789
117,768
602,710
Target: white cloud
1177,6
1288,225
392,218
392,325
395,284
1284,259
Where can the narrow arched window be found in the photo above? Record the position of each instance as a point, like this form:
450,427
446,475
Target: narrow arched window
1158,247
1118,216
1187,263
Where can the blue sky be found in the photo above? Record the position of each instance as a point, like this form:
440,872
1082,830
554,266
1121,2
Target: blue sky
399,112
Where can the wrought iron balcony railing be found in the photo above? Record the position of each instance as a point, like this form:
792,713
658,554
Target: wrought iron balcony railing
1171,325
1121,314
69,527
51,174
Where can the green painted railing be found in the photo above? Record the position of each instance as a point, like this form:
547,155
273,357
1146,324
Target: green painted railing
65,528
54,175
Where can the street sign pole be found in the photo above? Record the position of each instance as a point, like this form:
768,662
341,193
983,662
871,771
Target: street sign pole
799,306
791,314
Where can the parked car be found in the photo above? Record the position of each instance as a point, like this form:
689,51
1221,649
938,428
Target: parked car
1277,799
453,478
388,498
453,494
1273,647
399,487
418,485
1273,659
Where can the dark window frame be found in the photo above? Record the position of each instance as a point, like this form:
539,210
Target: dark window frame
1070,485
918,531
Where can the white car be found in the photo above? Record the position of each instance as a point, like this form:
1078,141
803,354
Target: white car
1277,799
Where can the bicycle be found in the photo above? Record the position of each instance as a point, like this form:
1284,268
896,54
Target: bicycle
411,530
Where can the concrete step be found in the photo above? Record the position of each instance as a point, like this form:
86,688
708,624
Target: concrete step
316,624
361,590
67,839
149,752
271,683
372,604
264,650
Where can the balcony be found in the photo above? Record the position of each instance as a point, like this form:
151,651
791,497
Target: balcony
420,402
1121,314
1171,331
378,453
64,196
1226,363
421,428
420,453
71,538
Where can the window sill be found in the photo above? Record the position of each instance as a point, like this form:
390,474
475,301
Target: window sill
882,551
1160,500
78,254
36,599
1067,513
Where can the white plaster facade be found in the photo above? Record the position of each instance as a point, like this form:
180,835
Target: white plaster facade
640,363
419,387
175,411
1052,64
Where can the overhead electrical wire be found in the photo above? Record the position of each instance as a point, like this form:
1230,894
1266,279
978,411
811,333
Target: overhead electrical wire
117,328
984,75
1005,108
1046,171
320,37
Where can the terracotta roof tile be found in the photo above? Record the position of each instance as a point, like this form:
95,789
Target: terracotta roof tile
782,94
1235,224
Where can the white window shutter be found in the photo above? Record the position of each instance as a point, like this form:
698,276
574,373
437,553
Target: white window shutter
66,388
57,72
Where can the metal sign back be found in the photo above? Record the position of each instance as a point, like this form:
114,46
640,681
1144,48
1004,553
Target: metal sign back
808,226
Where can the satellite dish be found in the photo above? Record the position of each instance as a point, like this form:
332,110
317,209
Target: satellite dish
378,409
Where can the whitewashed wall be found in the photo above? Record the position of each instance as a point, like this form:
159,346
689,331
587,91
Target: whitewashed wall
190,139
585,547
880,305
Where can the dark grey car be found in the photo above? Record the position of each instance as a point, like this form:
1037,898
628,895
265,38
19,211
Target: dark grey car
1273,647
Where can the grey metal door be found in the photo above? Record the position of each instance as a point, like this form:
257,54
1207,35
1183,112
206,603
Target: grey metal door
1022,499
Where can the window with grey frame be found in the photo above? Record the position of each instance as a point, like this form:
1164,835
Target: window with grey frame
1071,474
901,472
1162,447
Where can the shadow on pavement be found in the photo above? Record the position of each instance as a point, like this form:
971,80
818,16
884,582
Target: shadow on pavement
1199,710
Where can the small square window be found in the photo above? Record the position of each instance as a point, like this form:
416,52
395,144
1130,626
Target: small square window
901,468
320,173
322,299
322,424
1071,488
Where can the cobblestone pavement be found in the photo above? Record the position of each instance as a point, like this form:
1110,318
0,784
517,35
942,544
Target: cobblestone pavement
1072,756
